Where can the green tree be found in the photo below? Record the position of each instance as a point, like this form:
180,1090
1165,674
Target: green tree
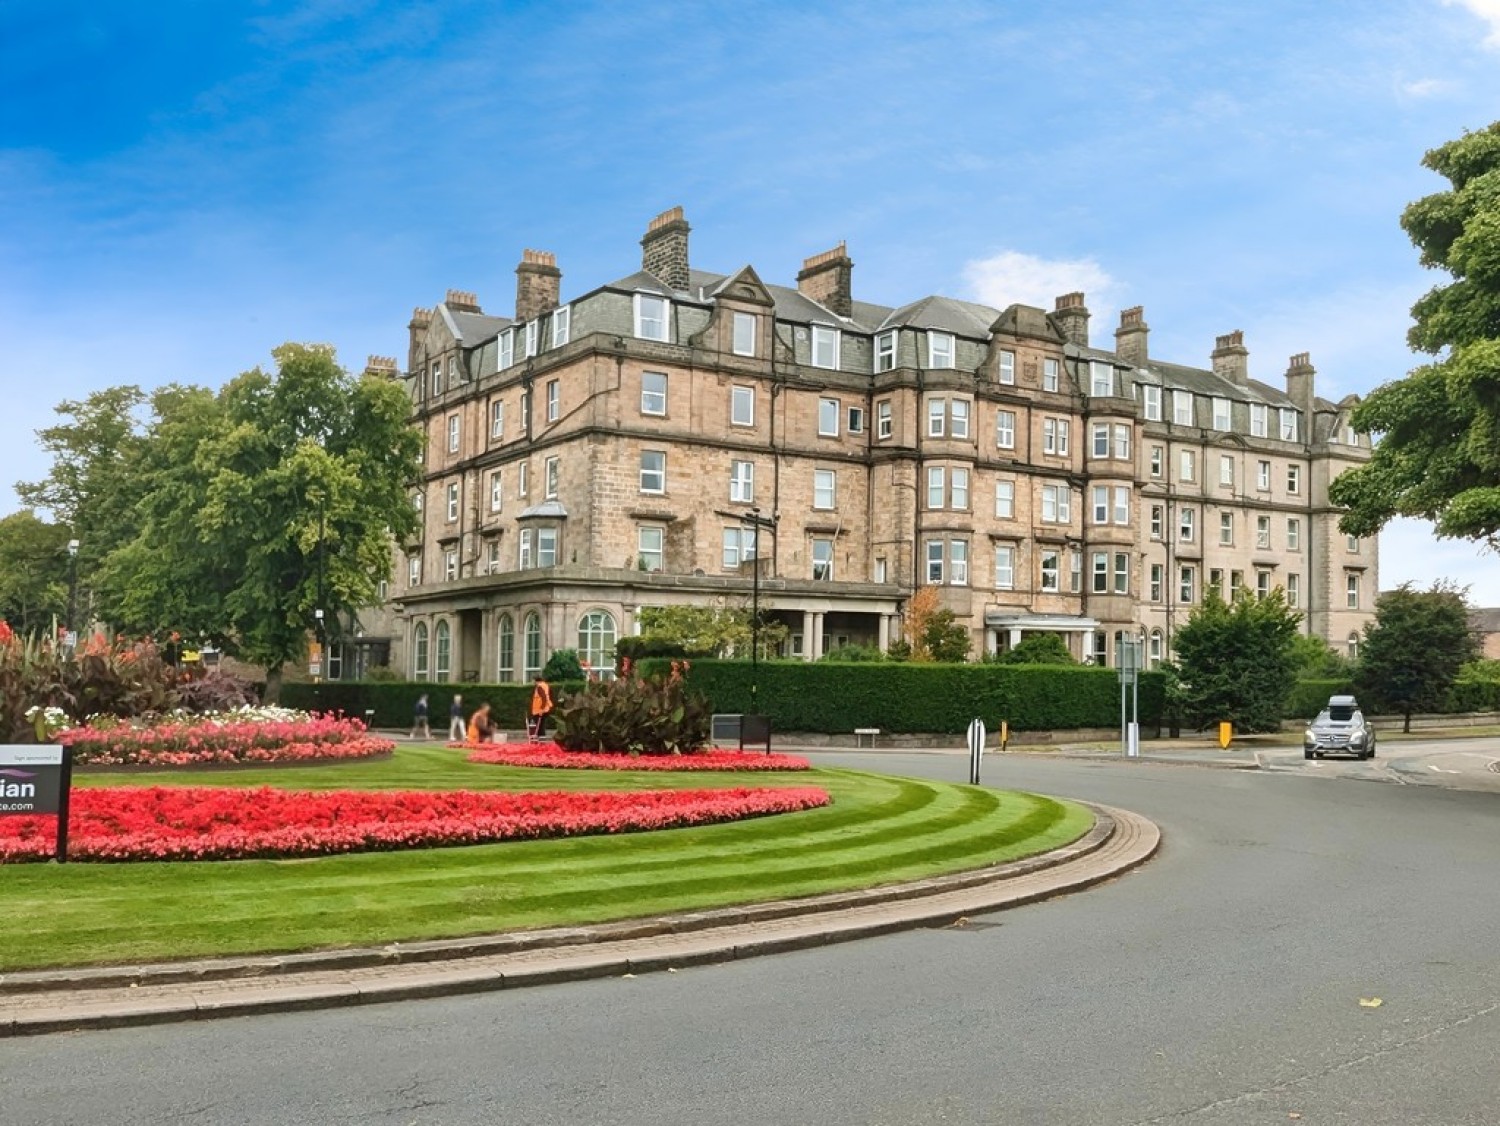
93,486
1414,649
562,664
33,572
709,630
1439,453
1037,649
273,499
1237,660
944,638
1315,658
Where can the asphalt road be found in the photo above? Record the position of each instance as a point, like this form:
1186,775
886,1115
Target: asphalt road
1220,984
1472,763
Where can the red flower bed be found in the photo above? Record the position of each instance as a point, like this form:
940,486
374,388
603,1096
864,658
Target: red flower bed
551,755
213,823
206,740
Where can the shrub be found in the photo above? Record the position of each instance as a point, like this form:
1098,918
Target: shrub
215,691
1037,649
855,653
98,678
562,665
636,714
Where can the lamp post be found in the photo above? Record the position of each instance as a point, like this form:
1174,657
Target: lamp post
72,586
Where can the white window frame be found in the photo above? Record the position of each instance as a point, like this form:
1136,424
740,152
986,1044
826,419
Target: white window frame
856,420
958,418
1288,428
1100,443
1294,480
1101,504
940,350
958,489
1351,590
1226,529
1122,572
653,478
1187,525
1101,379
937,486
505,352
649,396
562,325
825,343
1294,590
546,547
884,421
742,482
1005,567
550,469
1051,572
936,556
497,419
1182,408
497,490
1005,430
450,565
523,549
1121,451
1263,476
1058,501
1005,499
825,488
414,571
885,351
1099,569
523,479
1051,373
738,546
822,546
1226,470
1222,413
1187,465
455,433
653,312
1158,573
554,400
1263,532
1293,534
647,553
1158,520
1122,504
452,495
741,405
828,417
1187,583
531,338
742,334
1151,401
937,417
1006,371
958,562
1258,420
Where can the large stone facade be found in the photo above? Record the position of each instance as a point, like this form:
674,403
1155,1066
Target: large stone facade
588,459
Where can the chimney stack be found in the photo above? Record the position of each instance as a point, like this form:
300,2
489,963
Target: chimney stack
461,300
1299,385
1231,359
664,249
383,366
827,278
416,332
538,284
1071,316
1130,337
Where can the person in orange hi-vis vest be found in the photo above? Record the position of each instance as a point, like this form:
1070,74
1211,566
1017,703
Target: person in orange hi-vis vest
541,706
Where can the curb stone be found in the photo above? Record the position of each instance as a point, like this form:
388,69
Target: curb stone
38,1002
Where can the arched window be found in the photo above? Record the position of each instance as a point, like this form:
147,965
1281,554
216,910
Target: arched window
443,643
533,631
507,648
419,651
1354,646
1155,649
596,641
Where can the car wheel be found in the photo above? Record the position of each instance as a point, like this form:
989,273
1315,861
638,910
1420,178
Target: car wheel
1307,754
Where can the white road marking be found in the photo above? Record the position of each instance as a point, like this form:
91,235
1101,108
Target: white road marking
1440,770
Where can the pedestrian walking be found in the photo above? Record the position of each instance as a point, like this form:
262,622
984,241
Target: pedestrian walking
419,721
456,730
541,706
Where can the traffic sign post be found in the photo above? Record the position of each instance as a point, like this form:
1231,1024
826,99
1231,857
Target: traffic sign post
976,749
1130,675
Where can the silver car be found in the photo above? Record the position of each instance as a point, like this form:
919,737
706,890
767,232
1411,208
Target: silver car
1340,729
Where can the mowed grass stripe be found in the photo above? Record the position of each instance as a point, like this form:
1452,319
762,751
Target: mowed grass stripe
880,830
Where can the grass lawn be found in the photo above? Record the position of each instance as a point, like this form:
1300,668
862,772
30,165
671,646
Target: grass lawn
879,830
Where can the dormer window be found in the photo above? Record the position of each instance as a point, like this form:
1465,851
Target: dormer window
650,316
744,334
885,351
531,327
562,322
1101,378
939,350
825,346
507,344
1288,425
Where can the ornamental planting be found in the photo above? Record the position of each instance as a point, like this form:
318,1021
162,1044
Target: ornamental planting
553,756
251,735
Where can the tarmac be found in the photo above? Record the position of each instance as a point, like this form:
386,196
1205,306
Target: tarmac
60,1000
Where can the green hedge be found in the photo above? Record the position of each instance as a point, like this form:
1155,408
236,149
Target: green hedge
393,700
835,697
1309,696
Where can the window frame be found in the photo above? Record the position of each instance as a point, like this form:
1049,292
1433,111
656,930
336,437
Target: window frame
829,408
741,481
1005,498
1005,370
942,350
825,481
747,321
884,420
663,307
741,395
562,325
659,473
647,392
885,351
642,552
821,338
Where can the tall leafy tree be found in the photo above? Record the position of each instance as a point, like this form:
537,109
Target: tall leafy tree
275,498
93,486
1238,660
33,572
1439,453
1414,648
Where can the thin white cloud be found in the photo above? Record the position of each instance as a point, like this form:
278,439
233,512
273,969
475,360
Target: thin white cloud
1486,10
1011,277
1426,87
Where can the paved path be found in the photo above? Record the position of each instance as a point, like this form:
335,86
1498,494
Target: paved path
54,1001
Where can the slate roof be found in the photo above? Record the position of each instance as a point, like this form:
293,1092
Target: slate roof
470,328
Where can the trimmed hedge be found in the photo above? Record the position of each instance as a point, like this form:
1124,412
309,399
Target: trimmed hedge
394,700
901,697
1310,696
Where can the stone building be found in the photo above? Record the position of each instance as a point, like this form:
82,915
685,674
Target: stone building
655,440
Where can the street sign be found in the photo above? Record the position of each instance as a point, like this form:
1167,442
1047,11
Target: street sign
976,749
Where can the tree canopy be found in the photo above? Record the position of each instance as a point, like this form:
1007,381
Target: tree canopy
1238,660
1414,649
1438,456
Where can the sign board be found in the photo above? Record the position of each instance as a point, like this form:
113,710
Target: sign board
755,730
976,749
724,730
36,781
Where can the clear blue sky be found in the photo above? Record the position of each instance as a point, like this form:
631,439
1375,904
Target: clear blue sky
185,185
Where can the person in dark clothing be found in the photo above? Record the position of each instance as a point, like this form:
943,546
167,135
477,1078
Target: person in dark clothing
456,728
419,724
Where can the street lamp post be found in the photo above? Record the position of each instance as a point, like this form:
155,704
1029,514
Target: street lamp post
72,585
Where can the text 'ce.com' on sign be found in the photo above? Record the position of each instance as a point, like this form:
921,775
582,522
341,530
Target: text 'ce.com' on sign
36,781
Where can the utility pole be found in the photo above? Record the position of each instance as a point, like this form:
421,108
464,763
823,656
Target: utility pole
72,588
